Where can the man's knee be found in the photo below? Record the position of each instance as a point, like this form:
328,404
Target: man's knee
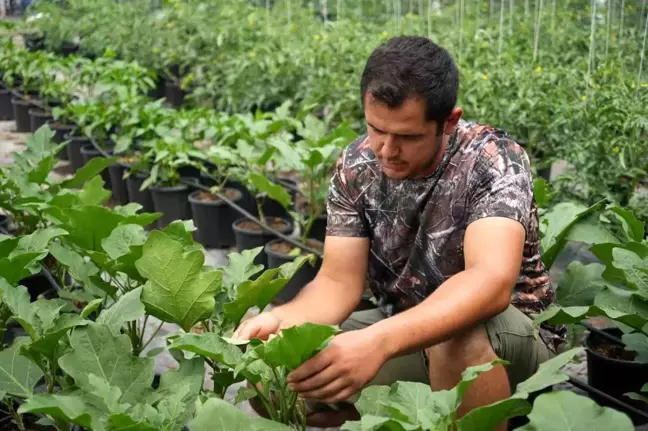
448,360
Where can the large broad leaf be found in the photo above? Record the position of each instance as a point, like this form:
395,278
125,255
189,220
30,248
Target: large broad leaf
37,242
85,272
73,407
93,192
634,269
128,307
120,240
632,227
569,315
18,375
178,290
217,414
489,417
605,253
241,267
89,170
372,401
259,293
379,423
182,231
209,345
556,225
293,346
95,350
580,284
566,411
272,190
637,342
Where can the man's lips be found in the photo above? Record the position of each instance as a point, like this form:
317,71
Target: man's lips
393,165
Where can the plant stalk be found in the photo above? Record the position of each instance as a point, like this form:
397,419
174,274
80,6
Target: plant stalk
151,337
643,54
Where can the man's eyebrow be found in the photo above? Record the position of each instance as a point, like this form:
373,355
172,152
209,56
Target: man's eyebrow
406,135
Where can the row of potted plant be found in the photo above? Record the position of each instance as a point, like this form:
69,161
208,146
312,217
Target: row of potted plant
83,358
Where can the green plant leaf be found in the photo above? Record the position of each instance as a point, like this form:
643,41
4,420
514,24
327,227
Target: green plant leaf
566,411
634,269
379,423
91,307
244,394
88,171
637,342
555,227
120,240
209,345
18,374
272,190
85,272
178,290
241,267
633,228
95,350
605,253
69,407
580,284
554,315
217,414
128,308
540,192
372,401
182,231
93,192
259,293
37,242
293,346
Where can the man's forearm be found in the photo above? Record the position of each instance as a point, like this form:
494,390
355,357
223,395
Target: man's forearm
458,304
324,301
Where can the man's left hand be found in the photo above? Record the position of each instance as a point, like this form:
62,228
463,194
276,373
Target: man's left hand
343,368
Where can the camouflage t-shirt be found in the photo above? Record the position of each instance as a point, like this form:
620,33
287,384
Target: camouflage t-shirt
416,227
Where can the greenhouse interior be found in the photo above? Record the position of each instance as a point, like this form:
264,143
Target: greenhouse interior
389,215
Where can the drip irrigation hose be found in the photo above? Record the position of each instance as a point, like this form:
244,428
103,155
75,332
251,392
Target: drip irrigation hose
609,337
222,197
617,402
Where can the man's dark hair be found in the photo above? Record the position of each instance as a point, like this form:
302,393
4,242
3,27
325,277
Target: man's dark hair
412,66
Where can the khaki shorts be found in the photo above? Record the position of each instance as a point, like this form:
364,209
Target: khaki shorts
511,334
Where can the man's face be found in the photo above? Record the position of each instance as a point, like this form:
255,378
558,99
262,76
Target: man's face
404,142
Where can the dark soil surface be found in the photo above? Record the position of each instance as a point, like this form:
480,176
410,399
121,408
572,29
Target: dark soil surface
231,194
275,223
615,352
286,248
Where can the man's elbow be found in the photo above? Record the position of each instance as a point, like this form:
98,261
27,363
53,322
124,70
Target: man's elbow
502,287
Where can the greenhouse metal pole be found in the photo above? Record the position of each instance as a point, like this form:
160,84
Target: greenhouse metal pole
501,31
590,62
538,21
643,54
622,17
608,25
511,11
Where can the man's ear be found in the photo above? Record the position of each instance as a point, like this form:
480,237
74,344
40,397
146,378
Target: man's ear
452,120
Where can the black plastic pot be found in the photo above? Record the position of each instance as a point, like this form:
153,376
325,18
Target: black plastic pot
189,172
6,108
272,208
38,117
318,228
68,48
60,131
36,285
247,238
143,197
74,150
214,220
4,223
21,115
302,277
172,202
174,94
247,201
615,377
119,188
34,42
158,91
89,152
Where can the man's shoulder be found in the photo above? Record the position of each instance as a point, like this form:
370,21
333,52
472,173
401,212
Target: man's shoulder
487,145
357,154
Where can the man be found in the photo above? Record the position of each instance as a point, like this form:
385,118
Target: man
438,216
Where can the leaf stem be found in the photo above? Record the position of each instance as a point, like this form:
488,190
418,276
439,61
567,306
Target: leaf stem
152,337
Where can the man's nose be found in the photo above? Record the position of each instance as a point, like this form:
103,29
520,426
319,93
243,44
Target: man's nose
390,147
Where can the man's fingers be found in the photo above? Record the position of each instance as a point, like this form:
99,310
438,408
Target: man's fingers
323,378
311,367
326,392
343,395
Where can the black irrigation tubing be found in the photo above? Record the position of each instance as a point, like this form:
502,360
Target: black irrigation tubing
612,400
611,338
44,269
243,212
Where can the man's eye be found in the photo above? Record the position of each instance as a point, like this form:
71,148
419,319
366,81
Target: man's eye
380,132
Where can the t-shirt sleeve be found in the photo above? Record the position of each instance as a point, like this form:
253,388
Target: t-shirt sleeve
344,216
501,184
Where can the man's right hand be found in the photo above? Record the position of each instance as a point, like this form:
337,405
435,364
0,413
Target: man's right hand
261,326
